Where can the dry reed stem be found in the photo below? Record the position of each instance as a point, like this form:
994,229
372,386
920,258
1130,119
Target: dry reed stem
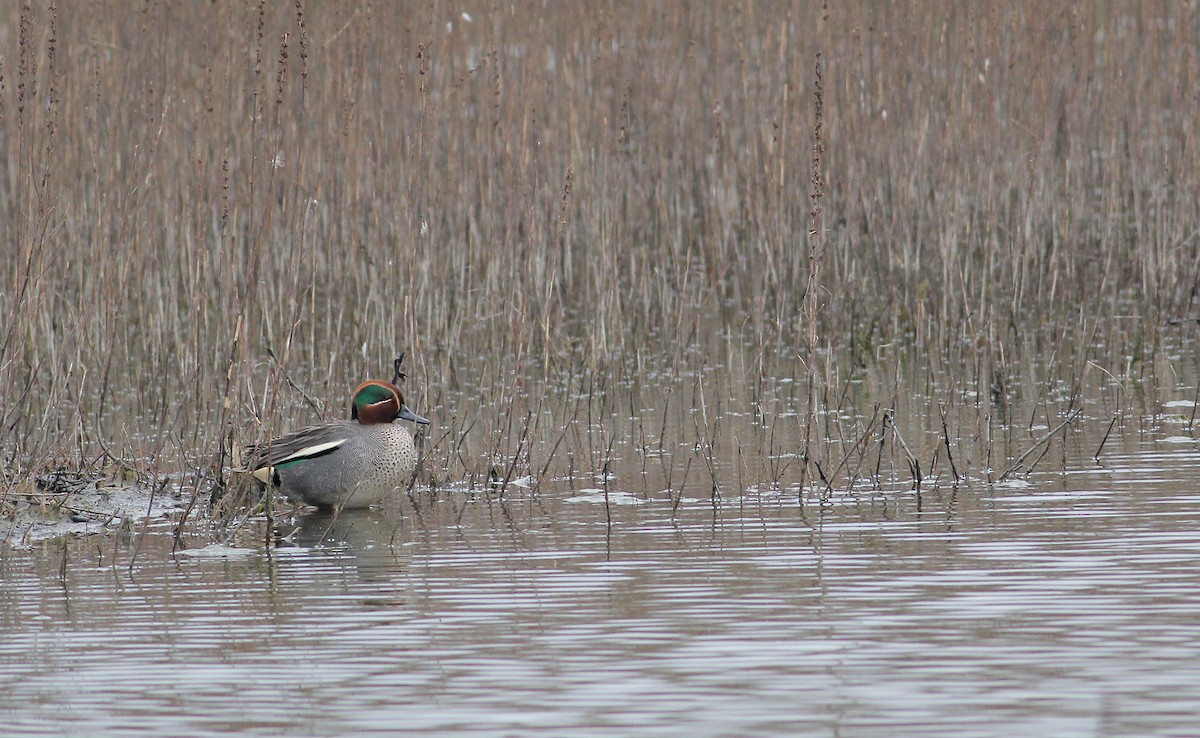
542,193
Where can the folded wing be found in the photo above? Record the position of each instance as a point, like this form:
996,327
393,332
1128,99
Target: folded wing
306,443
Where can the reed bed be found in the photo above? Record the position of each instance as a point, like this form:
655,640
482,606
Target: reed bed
218,217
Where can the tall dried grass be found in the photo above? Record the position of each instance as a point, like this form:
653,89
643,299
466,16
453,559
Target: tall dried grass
547,203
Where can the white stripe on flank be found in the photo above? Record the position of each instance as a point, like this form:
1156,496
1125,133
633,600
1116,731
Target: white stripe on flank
308,451
263,474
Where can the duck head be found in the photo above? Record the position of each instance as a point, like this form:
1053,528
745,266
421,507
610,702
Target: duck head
381,402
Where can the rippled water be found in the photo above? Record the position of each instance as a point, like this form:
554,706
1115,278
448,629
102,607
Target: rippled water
1067,606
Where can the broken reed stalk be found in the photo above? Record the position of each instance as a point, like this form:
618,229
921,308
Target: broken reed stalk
859,442
1033,464
1038,443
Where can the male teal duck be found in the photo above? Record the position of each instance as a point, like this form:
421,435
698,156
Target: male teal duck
347,463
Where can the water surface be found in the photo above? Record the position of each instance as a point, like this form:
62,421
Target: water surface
1066,604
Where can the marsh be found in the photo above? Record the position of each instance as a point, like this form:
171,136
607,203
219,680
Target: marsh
791,369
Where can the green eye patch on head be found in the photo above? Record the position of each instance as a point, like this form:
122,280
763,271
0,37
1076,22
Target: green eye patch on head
372,394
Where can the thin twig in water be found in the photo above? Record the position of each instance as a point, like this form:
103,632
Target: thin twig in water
946,440
914,465
683,482
569,424
1195,401
520,447
154,492
1021,459
1104,440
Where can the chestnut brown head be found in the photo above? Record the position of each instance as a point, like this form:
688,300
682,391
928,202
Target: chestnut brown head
380,402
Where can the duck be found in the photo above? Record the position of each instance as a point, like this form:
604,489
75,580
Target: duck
351,463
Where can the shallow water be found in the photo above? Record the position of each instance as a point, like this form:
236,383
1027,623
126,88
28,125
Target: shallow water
1067,604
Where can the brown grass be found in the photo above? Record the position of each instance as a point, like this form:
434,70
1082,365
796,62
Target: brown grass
561,210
